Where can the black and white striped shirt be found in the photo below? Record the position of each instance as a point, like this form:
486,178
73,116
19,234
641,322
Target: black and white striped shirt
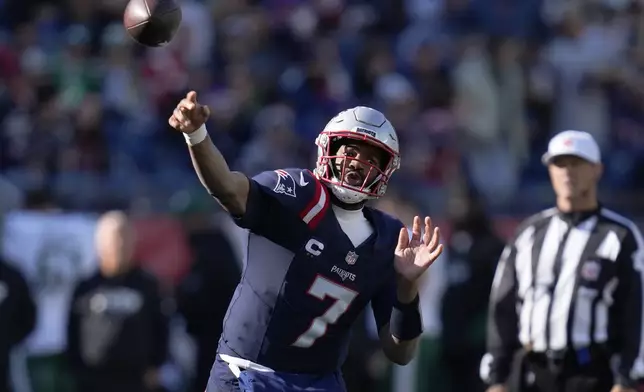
569,281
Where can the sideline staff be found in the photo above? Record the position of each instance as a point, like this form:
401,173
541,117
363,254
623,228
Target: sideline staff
17,316
567,295
117,336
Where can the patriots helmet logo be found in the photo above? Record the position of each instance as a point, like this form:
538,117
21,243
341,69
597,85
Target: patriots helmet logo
285,183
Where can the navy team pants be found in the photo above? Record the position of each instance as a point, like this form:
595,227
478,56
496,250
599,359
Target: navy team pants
223,380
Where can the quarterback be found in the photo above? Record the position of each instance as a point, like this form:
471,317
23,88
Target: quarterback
317,255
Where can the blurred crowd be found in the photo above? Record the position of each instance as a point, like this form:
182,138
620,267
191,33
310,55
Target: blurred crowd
475,89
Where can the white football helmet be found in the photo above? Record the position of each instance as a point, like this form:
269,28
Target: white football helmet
362,124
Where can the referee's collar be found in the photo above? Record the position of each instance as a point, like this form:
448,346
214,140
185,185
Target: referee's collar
576,217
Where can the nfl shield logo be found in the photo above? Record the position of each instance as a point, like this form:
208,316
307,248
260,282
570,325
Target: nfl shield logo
351,258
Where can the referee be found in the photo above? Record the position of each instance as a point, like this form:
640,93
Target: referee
567,295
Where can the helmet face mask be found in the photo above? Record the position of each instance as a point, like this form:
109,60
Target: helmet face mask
339,170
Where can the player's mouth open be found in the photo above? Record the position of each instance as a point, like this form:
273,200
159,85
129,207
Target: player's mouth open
354,178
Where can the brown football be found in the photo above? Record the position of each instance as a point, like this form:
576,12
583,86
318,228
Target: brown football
152,22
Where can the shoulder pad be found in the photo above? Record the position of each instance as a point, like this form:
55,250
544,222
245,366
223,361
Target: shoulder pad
298,190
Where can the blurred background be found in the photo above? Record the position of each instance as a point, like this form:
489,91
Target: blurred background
475,88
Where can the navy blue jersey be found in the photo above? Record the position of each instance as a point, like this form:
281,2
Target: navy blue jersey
304,282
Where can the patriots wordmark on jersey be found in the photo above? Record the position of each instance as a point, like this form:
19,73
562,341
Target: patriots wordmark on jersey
305,282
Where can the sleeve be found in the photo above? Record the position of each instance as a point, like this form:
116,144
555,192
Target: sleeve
503,322
382,304
26,317
629,300
275,195
160,325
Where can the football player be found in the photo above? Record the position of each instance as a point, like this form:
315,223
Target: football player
316,256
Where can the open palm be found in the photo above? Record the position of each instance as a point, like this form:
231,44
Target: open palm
414,255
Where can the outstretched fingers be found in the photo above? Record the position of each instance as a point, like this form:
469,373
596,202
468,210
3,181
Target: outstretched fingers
427,235
430,255
403,239
436,252
435,240
415,232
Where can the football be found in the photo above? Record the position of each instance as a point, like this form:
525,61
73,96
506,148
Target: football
152,23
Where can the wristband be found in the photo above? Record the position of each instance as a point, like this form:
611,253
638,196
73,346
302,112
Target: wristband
406,322
197,136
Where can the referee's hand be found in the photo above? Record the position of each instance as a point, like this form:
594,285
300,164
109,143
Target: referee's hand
499,388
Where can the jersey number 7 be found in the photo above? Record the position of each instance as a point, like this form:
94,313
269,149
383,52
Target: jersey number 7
322,288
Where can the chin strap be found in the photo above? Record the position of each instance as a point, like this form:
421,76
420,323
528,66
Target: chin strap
347,206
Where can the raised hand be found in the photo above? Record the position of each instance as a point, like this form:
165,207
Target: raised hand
414,255
189,115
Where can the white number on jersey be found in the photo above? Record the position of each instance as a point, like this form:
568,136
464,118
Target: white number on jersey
321,289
